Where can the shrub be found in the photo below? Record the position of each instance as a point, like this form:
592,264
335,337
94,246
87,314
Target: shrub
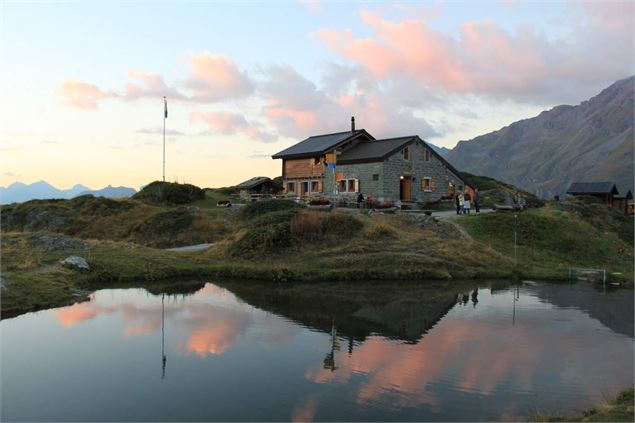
160,227
320,202
168,193
262,239
379,232
259,208
314,225
274,218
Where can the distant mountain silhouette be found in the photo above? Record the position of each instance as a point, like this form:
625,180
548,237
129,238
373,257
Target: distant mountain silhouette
592,141
18,192
111,192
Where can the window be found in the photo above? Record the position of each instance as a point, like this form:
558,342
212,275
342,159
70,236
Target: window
291,187
376,177
404,152
315,186
426,184
426,155
316,161
349,185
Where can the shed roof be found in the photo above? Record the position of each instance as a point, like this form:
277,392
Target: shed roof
319,144
377,150
592,188
628,195
253,182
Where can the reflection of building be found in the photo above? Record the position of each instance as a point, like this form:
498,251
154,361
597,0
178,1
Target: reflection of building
358,315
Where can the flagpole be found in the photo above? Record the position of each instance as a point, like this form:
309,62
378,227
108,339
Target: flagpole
165,111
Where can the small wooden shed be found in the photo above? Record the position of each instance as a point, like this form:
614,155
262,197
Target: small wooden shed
605,191
258,185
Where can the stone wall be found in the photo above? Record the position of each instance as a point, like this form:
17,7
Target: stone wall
363,172
386,188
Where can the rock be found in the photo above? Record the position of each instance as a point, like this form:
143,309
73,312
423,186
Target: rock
36,220
75,262
52,242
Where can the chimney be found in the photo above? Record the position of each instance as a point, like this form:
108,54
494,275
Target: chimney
352,123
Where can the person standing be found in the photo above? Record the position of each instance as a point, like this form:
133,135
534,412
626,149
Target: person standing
458,205
476,201
466,202
461,204
360,200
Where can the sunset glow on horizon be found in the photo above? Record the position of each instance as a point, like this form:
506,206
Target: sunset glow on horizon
83,83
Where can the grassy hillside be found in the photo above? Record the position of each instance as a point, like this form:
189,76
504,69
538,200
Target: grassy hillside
280,241
549,241
89,217
618,409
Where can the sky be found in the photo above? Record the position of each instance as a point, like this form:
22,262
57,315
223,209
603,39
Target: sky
82,83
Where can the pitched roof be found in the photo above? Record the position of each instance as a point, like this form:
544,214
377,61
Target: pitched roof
370,151
377,150
252,182
318,144
628,195
592,188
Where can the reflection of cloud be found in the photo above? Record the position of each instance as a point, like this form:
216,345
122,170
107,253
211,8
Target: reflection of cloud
213,329
305,412
471,354
71,315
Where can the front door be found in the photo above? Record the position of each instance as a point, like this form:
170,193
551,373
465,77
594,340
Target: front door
404,188
305,188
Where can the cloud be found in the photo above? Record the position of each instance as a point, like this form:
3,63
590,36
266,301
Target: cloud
149,86
483,58
229,123
314,6
82,95
216,78
158,130
212,78
297,107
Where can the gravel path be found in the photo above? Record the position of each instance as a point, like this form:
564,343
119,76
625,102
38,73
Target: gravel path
190,248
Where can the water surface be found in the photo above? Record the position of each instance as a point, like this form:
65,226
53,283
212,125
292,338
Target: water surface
385,352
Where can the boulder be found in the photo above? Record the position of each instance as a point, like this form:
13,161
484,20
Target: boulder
39,219
76,262
52,242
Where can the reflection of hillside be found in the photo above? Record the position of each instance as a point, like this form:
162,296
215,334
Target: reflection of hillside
614,309
406,312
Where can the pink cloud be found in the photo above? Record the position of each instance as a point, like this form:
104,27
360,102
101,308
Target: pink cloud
149,86
229,123
216,78
484,58
82,95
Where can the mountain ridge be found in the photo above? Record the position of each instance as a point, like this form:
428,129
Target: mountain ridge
592,141
18,192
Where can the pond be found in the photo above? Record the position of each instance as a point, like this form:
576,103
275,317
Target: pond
454,352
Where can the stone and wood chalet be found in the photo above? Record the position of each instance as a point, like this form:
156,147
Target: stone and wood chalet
345,164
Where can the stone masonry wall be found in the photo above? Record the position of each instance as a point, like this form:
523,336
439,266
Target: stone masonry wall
386,188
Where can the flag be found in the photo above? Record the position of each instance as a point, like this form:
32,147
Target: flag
165,103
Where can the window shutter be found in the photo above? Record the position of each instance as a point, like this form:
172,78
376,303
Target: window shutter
356,185
433,184
319,186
